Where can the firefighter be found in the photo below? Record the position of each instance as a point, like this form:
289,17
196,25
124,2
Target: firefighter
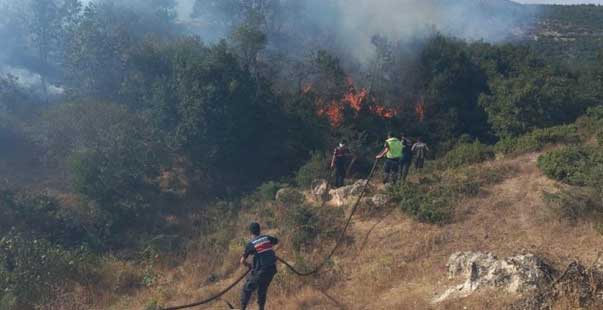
263,268
339,161
406,160
420,149
392,151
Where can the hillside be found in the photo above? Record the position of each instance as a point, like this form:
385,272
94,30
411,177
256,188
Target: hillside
572,34
135,150
394,262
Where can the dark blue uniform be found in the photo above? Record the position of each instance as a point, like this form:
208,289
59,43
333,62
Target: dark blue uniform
264,269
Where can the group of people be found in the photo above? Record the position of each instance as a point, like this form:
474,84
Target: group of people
398,153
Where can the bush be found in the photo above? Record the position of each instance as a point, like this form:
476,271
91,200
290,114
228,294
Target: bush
315,168
267,191
426,206
595,112
538,139
42,216
30,269
307,225
467,154
576,203
571,165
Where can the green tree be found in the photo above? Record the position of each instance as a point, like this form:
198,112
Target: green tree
535,99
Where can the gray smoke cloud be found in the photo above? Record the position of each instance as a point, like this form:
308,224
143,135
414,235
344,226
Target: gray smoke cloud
351,24
299,26
355,22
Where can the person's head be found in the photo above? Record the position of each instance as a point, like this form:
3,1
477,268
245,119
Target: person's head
342,143
402,135
254,229
419,139
390,134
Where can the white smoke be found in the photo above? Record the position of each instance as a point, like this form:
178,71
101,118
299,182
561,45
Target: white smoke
359,20
30,80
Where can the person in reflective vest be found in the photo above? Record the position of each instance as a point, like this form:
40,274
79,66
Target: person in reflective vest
392,151
263,268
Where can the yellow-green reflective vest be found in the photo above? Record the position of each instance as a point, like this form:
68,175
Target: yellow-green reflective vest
394,148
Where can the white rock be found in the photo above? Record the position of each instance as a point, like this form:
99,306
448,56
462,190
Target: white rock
319,189
340,196
517,274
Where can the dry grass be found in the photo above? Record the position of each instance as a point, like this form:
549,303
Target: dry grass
402,263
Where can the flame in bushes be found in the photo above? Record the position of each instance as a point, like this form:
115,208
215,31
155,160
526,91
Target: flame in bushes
356,100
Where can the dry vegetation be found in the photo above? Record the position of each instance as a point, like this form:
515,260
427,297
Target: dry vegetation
395,262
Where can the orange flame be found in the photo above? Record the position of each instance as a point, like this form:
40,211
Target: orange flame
355,99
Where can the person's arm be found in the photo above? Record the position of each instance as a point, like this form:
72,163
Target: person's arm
249,249
274,242
385,149
414,146
333,159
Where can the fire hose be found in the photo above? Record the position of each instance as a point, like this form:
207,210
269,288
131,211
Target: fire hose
287,264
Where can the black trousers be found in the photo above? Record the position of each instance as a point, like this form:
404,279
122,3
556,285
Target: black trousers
258,280
340,166
404,168
392,169
419,163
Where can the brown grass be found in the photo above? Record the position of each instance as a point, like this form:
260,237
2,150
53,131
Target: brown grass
401,265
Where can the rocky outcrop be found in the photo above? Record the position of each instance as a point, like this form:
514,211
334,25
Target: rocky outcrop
340,196
320,189
379,200
516,274
578,287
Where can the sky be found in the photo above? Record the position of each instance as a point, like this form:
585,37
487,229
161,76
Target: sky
560,1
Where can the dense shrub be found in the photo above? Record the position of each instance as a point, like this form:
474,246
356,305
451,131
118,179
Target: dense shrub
315,168
467,154
42,215
424,204
267,191
595,112
538,139
571,165
576,203
30,268
308,225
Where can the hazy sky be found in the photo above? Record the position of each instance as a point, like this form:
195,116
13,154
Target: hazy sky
561,1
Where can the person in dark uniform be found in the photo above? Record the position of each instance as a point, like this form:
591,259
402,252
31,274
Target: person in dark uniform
263,268
339,161
421,149
406,160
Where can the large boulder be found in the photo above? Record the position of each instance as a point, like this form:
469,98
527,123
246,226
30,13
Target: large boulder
516,274
289,195
320,189
379,200
340,196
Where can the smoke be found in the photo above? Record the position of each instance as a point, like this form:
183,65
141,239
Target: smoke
353,23
296,27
